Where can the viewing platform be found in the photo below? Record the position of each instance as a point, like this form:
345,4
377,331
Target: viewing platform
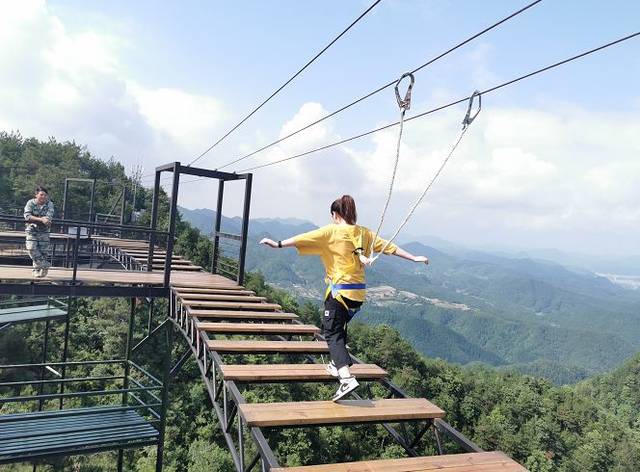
82,407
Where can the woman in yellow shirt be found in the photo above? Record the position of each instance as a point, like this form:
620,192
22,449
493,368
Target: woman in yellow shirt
343,247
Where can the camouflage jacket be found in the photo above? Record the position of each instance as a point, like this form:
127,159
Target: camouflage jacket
33,209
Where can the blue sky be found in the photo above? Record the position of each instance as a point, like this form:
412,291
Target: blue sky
153,82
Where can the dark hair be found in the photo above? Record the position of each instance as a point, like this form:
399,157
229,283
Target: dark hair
40,188
345,206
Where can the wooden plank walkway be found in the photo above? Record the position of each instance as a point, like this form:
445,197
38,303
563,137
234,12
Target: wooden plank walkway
231,305
187,297
294,372
109,277
468,462
203,296
332,413
257,328
263,347
242,315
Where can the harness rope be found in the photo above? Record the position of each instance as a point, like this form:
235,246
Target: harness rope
404,105
468,119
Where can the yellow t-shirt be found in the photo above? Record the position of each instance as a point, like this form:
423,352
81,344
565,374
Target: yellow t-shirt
336,246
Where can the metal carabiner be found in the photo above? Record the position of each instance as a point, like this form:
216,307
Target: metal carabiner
468,118
405,103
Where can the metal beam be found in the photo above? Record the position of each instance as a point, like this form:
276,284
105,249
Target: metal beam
245,228
39,289
178,365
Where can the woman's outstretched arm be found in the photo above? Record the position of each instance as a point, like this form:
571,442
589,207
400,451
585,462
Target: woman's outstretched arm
410,257
285,243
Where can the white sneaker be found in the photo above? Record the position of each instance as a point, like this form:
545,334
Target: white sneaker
38,273
347,386
331,369
44,272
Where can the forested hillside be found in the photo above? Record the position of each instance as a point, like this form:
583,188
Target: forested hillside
592,426
533,316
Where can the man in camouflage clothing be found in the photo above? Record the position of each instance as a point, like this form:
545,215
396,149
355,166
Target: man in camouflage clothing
38,213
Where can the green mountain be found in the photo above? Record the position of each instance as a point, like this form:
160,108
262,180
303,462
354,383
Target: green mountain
535,316
618,391
476,311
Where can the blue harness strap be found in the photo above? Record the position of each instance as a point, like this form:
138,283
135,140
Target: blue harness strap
336,287
334,292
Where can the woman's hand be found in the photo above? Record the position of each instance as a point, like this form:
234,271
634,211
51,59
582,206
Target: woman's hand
423,259
365,260
269,242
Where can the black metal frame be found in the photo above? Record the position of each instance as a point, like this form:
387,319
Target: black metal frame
147,403
65,196
178,169
114,218
142,391
225,397
73,243
45,343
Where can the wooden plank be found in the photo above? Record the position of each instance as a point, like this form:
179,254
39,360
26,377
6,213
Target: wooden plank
332,413
257,328
90,277
223,298
145,252
157,259
191,268
267,346
185,291
22,235
115,277
201,279
211,304
241,315
468,462
290,372
224,284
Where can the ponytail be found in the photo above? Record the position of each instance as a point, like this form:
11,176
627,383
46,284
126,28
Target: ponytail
345,206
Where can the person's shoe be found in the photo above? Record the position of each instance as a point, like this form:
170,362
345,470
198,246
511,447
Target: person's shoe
331,369
44,272
36,273
347,386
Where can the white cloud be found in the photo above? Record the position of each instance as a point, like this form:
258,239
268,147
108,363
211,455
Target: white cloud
73,85
555,175
563,177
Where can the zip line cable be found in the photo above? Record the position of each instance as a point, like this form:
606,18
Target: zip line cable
370,94
383,87
448,105
440,108
333,41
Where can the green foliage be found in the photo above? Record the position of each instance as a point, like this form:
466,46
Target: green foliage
25,163
529,316
593,426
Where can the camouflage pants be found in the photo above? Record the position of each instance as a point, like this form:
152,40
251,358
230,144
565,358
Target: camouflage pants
38,248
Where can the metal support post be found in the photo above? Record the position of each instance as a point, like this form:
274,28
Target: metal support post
123,207
216,228
65,349
45,351
92,205
127,368
150,317
173,213
245,227
154,220
165,396
64,198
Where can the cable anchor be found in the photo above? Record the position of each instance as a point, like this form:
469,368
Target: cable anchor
405,103
468,118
